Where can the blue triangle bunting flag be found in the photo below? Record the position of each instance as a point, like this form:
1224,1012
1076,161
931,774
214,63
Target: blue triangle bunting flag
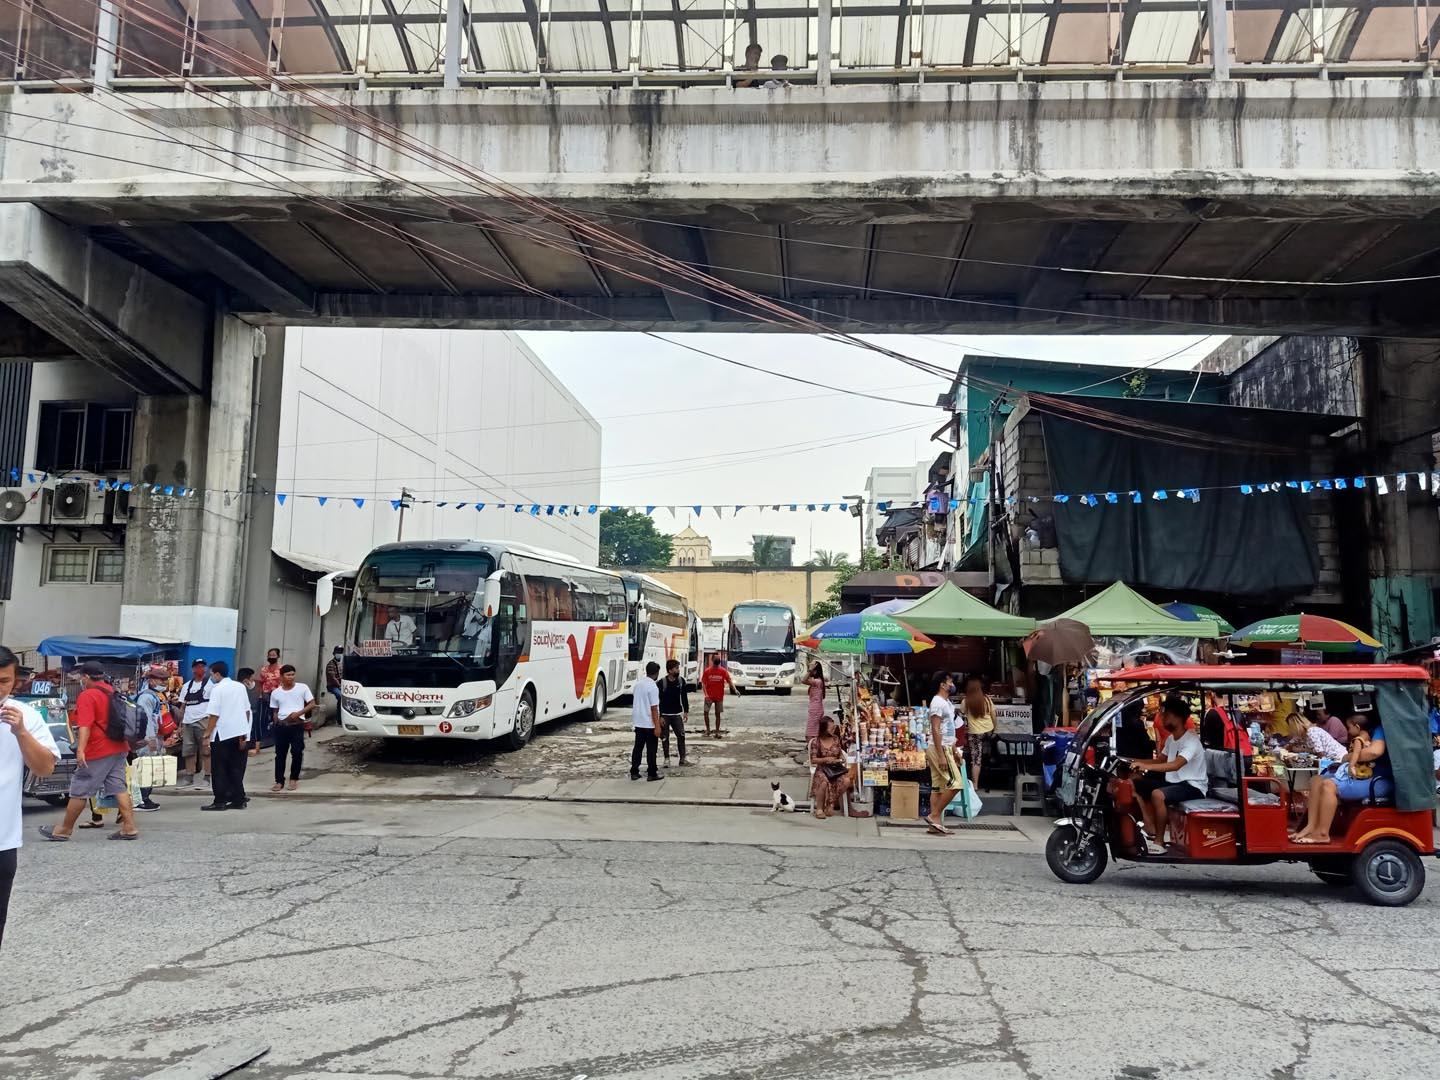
358,502
322,499
280,498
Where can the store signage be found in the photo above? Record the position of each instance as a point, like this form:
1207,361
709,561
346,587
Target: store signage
1301,656
1014,719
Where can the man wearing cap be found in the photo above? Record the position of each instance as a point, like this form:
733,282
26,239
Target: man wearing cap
195,735
99,759
151,706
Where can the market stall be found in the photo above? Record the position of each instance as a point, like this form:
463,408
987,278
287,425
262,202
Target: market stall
892,740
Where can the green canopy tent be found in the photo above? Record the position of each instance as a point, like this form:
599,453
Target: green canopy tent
1121,612
951,611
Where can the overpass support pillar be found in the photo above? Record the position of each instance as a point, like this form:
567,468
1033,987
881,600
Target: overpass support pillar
185,555
1400,385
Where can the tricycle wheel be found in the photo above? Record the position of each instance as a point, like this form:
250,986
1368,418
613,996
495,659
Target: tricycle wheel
1388,873
1074,858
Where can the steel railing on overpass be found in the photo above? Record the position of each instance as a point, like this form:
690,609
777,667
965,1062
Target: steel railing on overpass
150,44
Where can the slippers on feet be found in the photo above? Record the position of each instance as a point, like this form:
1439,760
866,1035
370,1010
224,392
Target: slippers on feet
48,831
91,825
123,836
937,830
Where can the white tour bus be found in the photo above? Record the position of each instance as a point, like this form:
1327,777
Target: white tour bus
760,646
468,639
659,626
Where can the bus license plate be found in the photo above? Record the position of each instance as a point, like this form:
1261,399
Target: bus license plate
411,729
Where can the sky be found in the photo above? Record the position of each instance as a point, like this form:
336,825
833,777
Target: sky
681,428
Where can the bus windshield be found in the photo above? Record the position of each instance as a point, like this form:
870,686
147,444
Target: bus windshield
421,603
762,629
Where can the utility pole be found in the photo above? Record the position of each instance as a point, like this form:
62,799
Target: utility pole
405,500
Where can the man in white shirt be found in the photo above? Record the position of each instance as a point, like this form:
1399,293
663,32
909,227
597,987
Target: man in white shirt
194,732
1181,776
645,715
290,704
25,742
229,731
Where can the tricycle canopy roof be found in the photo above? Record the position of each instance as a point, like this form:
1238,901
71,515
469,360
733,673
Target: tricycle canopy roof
1286,674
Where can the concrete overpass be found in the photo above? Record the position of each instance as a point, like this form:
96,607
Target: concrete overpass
903,207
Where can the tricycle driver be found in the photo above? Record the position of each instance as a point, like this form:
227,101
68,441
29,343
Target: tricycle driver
1181,776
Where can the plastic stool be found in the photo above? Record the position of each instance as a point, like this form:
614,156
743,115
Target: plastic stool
1029,794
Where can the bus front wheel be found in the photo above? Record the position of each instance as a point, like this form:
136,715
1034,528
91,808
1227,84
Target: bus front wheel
524,722
601,702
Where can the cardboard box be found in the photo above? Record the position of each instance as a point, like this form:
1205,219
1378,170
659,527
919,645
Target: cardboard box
904,801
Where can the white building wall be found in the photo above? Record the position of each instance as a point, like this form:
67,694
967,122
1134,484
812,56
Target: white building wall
455,417
37,610
896,485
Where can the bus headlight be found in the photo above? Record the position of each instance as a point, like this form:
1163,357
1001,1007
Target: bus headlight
354,706
469,707
736,669
787,670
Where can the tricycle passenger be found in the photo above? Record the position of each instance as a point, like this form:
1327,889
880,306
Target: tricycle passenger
1364,774
1181,776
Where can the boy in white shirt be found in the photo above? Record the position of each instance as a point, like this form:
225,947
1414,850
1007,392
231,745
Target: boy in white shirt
290,704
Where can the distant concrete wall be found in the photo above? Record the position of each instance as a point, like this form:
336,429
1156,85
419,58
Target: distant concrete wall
713,590
1303,374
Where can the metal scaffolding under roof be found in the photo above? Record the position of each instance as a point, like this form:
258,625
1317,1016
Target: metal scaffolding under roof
419,42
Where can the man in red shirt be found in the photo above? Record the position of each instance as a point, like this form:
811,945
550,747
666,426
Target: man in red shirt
100,760
715,680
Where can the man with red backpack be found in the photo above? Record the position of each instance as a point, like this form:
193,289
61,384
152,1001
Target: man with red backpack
100,752
1219,731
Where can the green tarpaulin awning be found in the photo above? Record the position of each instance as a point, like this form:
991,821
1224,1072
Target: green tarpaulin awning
1120,611
953,612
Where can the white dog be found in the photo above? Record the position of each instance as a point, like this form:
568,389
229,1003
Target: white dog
779,801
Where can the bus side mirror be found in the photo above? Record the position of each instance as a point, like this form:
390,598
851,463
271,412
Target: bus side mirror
491,602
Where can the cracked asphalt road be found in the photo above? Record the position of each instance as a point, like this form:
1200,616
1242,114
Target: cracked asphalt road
523,941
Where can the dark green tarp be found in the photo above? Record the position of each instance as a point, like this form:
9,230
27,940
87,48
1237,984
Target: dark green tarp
1407,740
1226,543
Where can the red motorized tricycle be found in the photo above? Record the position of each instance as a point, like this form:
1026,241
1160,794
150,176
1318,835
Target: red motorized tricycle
1375,842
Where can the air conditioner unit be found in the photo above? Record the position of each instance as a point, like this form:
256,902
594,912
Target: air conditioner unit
18,507
70,502
117,507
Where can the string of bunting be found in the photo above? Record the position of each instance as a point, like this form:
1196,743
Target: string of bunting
1381,483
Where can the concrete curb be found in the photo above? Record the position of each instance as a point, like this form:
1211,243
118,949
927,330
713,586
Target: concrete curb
638,800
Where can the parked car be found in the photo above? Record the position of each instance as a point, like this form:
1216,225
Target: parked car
54,788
